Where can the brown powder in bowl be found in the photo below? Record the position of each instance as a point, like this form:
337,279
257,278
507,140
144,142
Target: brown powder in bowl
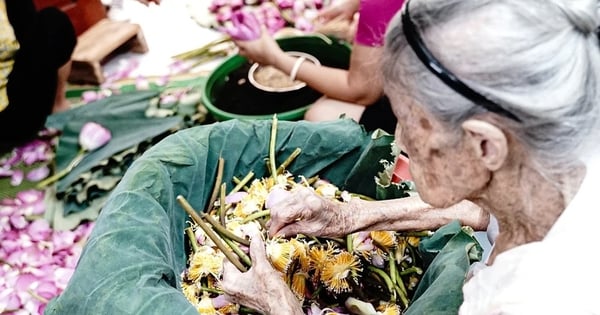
273,77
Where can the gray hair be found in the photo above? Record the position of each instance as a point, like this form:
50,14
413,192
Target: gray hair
538,59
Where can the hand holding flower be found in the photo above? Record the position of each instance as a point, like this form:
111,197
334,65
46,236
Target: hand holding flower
248,288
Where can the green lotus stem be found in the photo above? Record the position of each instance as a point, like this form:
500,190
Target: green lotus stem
50,180
393,272
413,269
201,50
216,185
222,204
262,223
397,280
349,243
403,296
241,183
386,279
236,249
238,181
363,197
289,160
210,290
313,180
256,215
211,234
193,242
272,166
417,233
208,57
37,296
221,229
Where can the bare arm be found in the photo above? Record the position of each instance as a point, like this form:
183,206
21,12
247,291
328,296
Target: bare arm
360,84
304,212
412,214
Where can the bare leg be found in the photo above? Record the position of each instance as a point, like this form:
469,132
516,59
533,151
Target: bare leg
329,109
60,101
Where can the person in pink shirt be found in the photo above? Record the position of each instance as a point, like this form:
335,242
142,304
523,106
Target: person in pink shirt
356,92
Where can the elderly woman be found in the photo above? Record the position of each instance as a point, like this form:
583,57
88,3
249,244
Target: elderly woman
498,104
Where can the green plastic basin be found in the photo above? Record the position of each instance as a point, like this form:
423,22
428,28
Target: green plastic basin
330,52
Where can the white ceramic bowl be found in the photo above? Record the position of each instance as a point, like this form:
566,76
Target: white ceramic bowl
299,85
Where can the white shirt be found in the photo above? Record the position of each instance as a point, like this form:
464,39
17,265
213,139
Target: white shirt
558,275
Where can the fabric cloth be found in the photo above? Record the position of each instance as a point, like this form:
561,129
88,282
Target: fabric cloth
558,275
8,48
47,39
373,18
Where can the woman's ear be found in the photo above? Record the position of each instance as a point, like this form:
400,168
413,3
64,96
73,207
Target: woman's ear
489,142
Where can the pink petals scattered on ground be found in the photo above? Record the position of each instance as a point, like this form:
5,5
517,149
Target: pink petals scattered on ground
36,262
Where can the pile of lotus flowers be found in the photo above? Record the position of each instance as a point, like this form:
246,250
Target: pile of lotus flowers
362,273
246,19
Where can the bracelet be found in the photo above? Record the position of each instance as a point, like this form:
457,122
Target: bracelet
296,67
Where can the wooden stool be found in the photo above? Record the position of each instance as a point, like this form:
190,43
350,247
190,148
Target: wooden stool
101,42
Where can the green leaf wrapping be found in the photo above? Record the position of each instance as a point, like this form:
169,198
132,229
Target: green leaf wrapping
132,261
123,115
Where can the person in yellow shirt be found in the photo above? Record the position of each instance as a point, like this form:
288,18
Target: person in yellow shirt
35,54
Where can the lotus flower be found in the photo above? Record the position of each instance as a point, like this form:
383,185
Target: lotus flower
245,26
93,136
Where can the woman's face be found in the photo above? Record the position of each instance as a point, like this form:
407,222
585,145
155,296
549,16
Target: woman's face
439,162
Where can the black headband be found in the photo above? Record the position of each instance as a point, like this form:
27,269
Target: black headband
418,46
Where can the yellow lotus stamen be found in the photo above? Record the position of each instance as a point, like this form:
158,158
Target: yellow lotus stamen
229,309
338,270
206,261
385,239
301,254
327,190
190,291
318,257
389,309
298,284
280,252
205,306
413,241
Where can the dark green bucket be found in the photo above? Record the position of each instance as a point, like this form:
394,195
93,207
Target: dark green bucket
226,87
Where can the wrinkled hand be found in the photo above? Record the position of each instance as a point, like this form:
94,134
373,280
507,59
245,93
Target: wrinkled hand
263,50
305,212
258,286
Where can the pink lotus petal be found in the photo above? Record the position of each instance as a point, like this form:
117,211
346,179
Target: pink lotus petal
17,178
38,174
377,260
5,172
163,80
93,136
235,197
63,240
142,83
39,230
220,301
90,96
35,151
236,4
29,196
276,195
245,26
284,4
303,24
